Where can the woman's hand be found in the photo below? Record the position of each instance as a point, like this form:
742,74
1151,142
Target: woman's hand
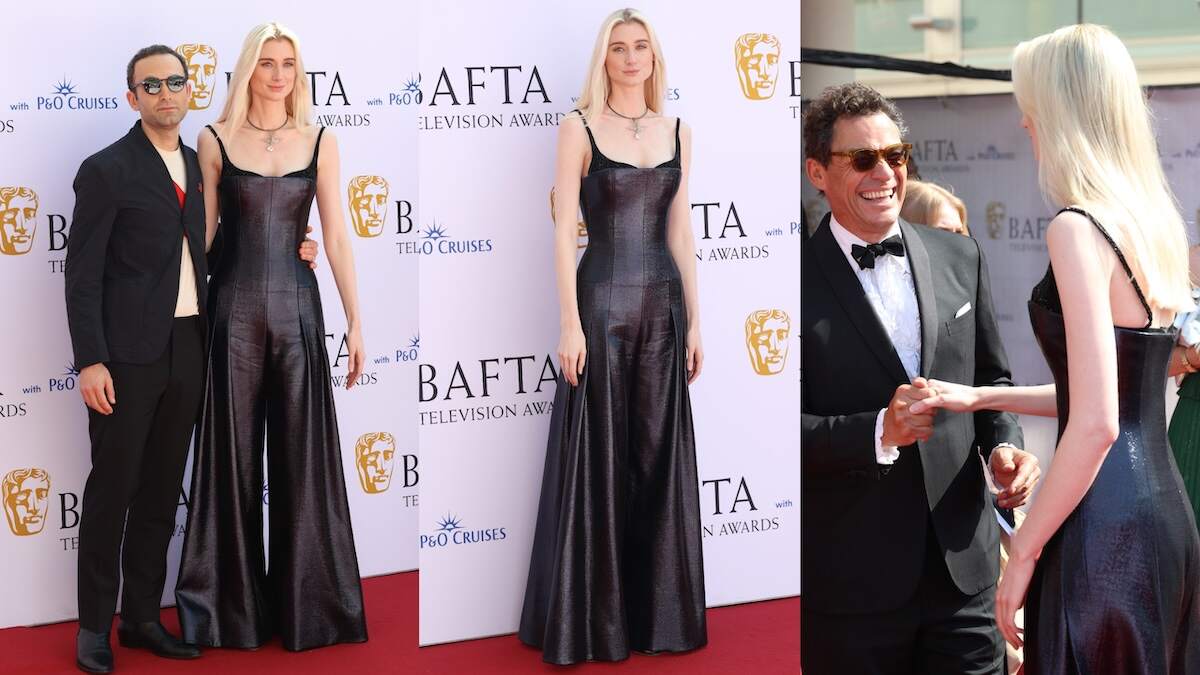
572,353
354,345
1010,595
950,396
695,353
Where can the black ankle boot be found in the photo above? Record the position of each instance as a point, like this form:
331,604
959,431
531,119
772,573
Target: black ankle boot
151,635
92,652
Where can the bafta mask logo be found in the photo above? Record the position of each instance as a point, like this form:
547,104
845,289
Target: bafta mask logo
767,334
26,495
368,204
756,56
202,71
995,219
581,233
373,455
18,219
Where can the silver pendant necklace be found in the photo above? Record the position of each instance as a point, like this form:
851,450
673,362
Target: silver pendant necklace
636,128
271,138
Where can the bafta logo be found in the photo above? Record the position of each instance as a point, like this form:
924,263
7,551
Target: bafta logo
202,71
581,233
18,219
368,204
26,493
767,333
756,56
373,456
995,219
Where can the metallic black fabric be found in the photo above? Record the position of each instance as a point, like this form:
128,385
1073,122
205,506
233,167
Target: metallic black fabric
617,561
1116,588
268,375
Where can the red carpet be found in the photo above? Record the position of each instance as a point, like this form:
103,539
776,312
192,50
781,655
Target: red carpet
761,638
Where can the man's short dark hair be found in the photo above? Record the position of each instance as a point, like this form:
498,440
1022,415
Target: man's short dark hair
146,52
843,100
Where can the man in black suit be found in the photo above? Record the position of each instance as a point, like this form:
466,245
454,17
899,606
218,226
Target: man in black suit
136,281
900,542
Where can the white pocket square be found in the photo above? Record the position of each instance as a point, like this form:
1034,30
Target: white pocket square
962,310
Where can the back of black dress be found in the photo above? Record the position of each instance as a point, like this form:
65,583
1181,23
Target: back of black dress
1115,590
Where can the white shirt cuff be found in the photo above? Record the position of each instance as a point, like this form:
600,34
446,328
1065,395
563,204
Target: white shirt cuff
884,454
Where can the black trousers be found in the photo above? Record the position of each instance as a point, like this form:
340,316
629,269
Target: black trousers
940,631
133,489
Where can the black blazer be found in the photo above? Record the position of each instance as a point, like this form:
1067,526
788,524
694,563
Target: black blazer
864,525
122,267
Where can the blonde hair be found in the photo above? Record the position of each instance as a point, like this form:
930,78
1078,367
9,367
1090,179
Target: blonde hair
596,87
237,101
922,201
1079,87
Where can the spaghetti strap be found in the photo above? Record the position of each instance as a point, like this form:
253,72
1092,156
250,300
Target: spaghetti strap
678,122
220,144
588,129
1121,257
316,149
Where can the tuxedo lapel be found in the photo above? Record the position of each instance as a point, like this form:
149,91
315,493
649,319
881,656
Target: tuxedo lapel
846,287
918,261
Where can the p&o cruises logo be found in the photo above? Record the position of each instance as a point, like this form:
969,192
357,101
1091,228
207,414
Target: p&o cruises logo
452,532
65,95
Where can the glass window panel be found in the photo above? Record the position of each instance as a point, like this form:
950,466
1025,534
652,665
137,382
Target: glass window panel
881,26
1146,18
992,24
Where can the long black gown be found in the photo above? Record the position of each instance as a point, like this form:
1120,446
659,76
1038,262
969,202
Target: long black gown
617,561
1117,588
268,374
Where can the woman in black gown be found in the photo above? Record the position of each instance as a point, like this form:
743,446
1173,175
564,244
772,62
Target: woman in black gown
268,375
616,563
1108,561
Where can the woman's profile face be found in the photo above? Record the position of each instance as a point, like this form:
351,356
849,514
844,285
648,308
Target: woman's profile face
274,75
630,58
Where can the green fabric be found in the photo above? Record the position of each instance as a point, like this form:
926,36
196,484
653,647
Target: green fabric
1184,433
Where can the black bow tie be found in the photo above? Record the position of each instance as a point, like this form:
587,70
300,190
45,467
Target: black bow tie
865,255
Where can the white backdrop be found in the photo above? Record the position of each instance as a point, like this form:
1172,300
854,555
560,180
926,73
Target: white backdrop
976,146
489,316
65,104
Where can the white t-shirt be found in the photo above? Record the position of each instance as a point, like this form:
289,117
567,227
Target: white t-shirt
186,303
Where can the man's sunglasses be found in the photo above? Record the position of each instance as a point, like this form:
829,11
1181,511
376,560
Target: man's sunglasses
153,85
865,159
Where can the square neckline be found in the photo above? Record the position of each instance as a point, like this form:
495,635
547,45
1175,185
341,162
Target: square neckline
596,151
308,172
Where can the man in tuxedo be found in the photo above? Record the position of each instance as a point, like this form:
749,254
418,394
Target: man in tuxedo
900,540
136,280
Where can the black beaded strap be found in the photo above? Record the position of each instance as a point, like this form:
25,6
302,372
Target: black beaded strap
1120,256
